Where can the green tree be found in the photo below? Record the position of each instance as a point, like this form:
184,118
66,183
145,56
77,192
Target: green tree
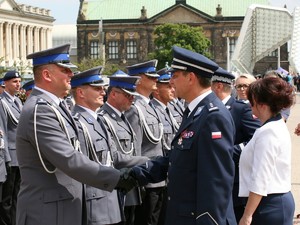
182,35
88,63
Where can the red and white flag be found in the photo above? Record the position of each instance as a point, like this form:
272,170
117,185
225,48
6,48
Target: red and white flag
216,135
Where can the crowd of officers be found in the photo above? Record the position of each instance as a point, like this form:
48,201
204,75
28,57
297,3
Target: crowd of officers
66,154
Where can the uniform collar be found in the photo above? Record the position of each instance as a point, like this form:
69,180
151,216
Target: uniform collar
192,105
52,96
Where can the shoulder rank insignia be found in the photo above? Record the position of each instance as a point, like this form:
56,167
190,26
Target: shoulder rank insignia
76,116
41,101
211,107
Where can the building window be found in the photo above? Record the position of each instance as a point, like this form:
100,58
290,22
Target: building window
94,50
274,53
131,49
232,44
113,50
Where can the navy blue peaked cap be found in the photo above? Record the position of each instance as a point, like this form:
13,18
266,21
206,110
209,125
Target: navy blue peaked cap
2,82
28,86
164,75
187,60
148,68
123,81
91,77
11,74
58,55
223,76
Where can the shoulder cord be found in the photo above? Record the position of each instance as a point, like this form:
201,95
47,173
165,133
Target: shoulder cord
89,143
113,131
9,112
147,130
76,145
174,122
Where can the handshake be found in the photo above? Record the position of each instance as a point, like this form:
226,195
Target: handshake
127,180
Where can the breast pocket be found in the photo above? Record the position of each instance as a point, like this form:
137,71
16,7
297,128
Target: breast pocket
101,148
124,139
152,123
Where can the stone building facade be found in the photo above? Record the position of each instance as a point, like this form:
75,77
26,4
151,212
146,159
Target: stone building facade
129,40
23,29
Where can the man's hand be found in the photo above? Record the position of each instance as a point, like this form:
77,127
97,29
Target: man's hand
126,181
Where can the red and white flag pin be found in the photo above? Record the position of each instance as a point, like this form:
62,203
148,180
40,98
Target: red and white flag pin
216,135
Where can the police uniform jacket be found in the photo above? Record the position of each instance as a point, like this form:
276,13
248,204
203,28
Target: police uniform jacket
56,196
2,156
245,125
177,109
11,124
148,148
169,126
102,206
201,169
127,139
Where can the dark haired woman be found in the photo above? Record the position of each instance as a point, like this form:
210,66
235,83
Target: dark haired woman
265,163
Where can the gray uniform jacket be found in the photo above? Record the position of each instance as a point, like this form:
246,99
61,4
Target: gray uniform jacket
57,197
102,206
170,128
128,145
11,124
2,156
177,108
148,147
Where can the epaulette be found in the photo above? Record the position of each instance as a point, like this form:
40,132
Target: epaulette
212,107
243,101
76,116
41,101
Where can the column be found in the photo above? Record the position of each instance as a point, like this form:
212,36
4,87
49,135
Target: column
36,39
1,40
15,42
29,40
8,52
22,42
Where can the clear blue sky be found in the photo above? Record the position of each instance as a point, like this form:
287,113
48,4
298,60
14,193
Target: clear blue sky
65,11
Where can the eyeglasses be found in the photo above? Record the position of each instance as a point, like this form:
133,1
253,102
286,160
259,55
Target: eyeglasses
125,94
240,86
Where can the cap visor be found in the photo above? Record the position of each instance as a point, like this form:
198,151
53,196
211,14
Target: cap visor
67,65
130,92
152,75
99,84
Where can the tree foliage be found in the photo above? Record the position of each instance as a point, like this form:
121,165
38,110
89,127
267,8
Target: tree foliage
88,63
182,35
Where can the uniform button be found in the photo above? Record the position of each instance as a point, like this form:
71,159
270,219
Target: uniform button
94,195
172,147
192,213
170,163
169,198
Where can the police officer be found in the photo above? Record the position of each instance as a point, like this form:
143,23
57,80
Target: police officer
51,162
149,130
201,169
2,86
121,93
245,125
164,94
161,97
27,87
11,107
103,207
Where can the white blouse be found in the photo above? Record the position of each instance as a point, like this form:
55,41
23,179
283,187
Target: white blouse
265,162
